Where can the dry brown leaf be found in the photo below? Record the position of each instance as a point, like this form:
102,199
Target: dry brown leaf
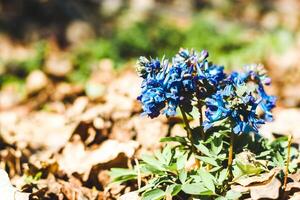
293,185
149,131
295,176
128,84
283,117
39,130
52,188
75,158
258,179
268,191
130,196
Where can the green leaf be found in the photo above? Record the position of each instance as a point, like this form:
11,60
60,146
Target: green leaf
280,159
203,149
207,179
173,189
222,176
182,176
174,139
167,154
196,189
115,172
181,161
150,169
217,145
249,168
208,160
159,156
120,175
150,160
233,195
154,194
264,153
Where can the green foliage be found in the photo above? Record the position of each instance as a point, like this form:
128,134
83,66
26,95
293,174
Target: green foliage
165,174
88,55
153,37
232,43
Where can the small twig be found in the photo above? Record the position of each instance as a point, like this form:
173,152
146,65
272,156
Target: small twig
288,159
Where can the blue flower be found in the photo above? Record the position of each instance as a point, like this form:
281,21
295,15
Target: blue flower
238,103
257,74
146,67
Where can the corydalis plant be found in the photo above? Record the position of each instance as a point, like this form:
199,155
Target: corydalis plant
230,107
189,80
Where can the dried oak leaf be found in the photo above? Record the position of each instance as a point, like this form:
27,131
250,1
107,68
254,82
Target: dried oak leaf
261,186
75,158
269,190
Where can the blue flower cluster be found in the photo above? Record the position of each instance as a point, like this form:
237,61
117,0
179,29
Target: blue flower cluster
239,101
167,86
189,79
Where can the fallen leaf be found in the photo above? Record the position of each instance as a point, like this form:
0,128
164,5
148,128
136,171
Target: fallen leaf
258,179
75,158
7,191
269,191
292,185
279,125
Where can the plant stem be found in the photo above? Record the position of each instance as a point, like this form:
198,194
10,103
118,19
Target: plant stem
230,155
187,125
287,161
189,135
201,120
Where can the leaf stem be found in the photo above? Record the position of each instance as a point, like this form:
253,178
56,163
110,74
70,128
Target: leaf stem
288,159
189,135
230,154
201,120
186,123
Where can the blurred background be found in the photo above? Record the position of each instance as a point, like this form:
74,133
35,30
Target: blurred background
68,86
67,38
